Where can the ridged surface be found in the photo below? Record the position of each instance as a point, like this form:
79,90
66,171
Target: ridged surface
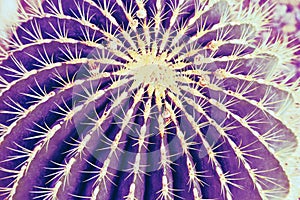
164,99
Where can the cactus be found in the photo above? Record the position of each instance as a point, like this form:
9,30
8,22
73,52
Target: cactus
144,99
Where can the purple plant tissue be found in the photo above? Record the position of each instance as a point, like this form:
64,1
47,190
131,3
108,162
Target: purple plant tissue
149,99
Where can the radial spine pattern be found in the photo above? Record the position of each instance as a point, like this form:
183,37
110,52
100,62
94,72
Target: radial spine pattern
144,99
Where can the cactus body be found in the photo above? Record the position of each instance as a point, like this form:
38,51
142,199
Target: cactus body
165,99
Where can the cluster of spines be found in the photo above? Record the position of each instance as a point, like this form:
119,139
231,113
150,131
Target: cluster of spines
211,93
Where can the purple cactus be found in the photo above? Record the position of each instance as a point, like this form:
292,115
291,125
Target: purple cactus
148,99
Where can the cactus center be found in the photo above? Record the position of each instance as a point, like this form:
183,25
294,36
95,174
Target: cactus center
153,71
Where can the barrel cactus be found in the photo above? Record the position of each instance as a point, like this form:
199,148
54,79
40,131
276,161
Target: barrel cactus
147,99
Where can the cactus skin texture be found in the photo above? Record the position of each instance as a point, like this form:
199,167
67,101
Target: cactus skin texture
144,99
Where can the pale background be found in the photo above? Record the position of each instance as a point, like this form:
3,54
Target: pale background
8,14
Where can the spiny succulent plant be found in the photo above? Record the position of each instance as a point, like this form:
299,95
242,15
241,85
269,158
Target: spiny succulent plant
144,99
